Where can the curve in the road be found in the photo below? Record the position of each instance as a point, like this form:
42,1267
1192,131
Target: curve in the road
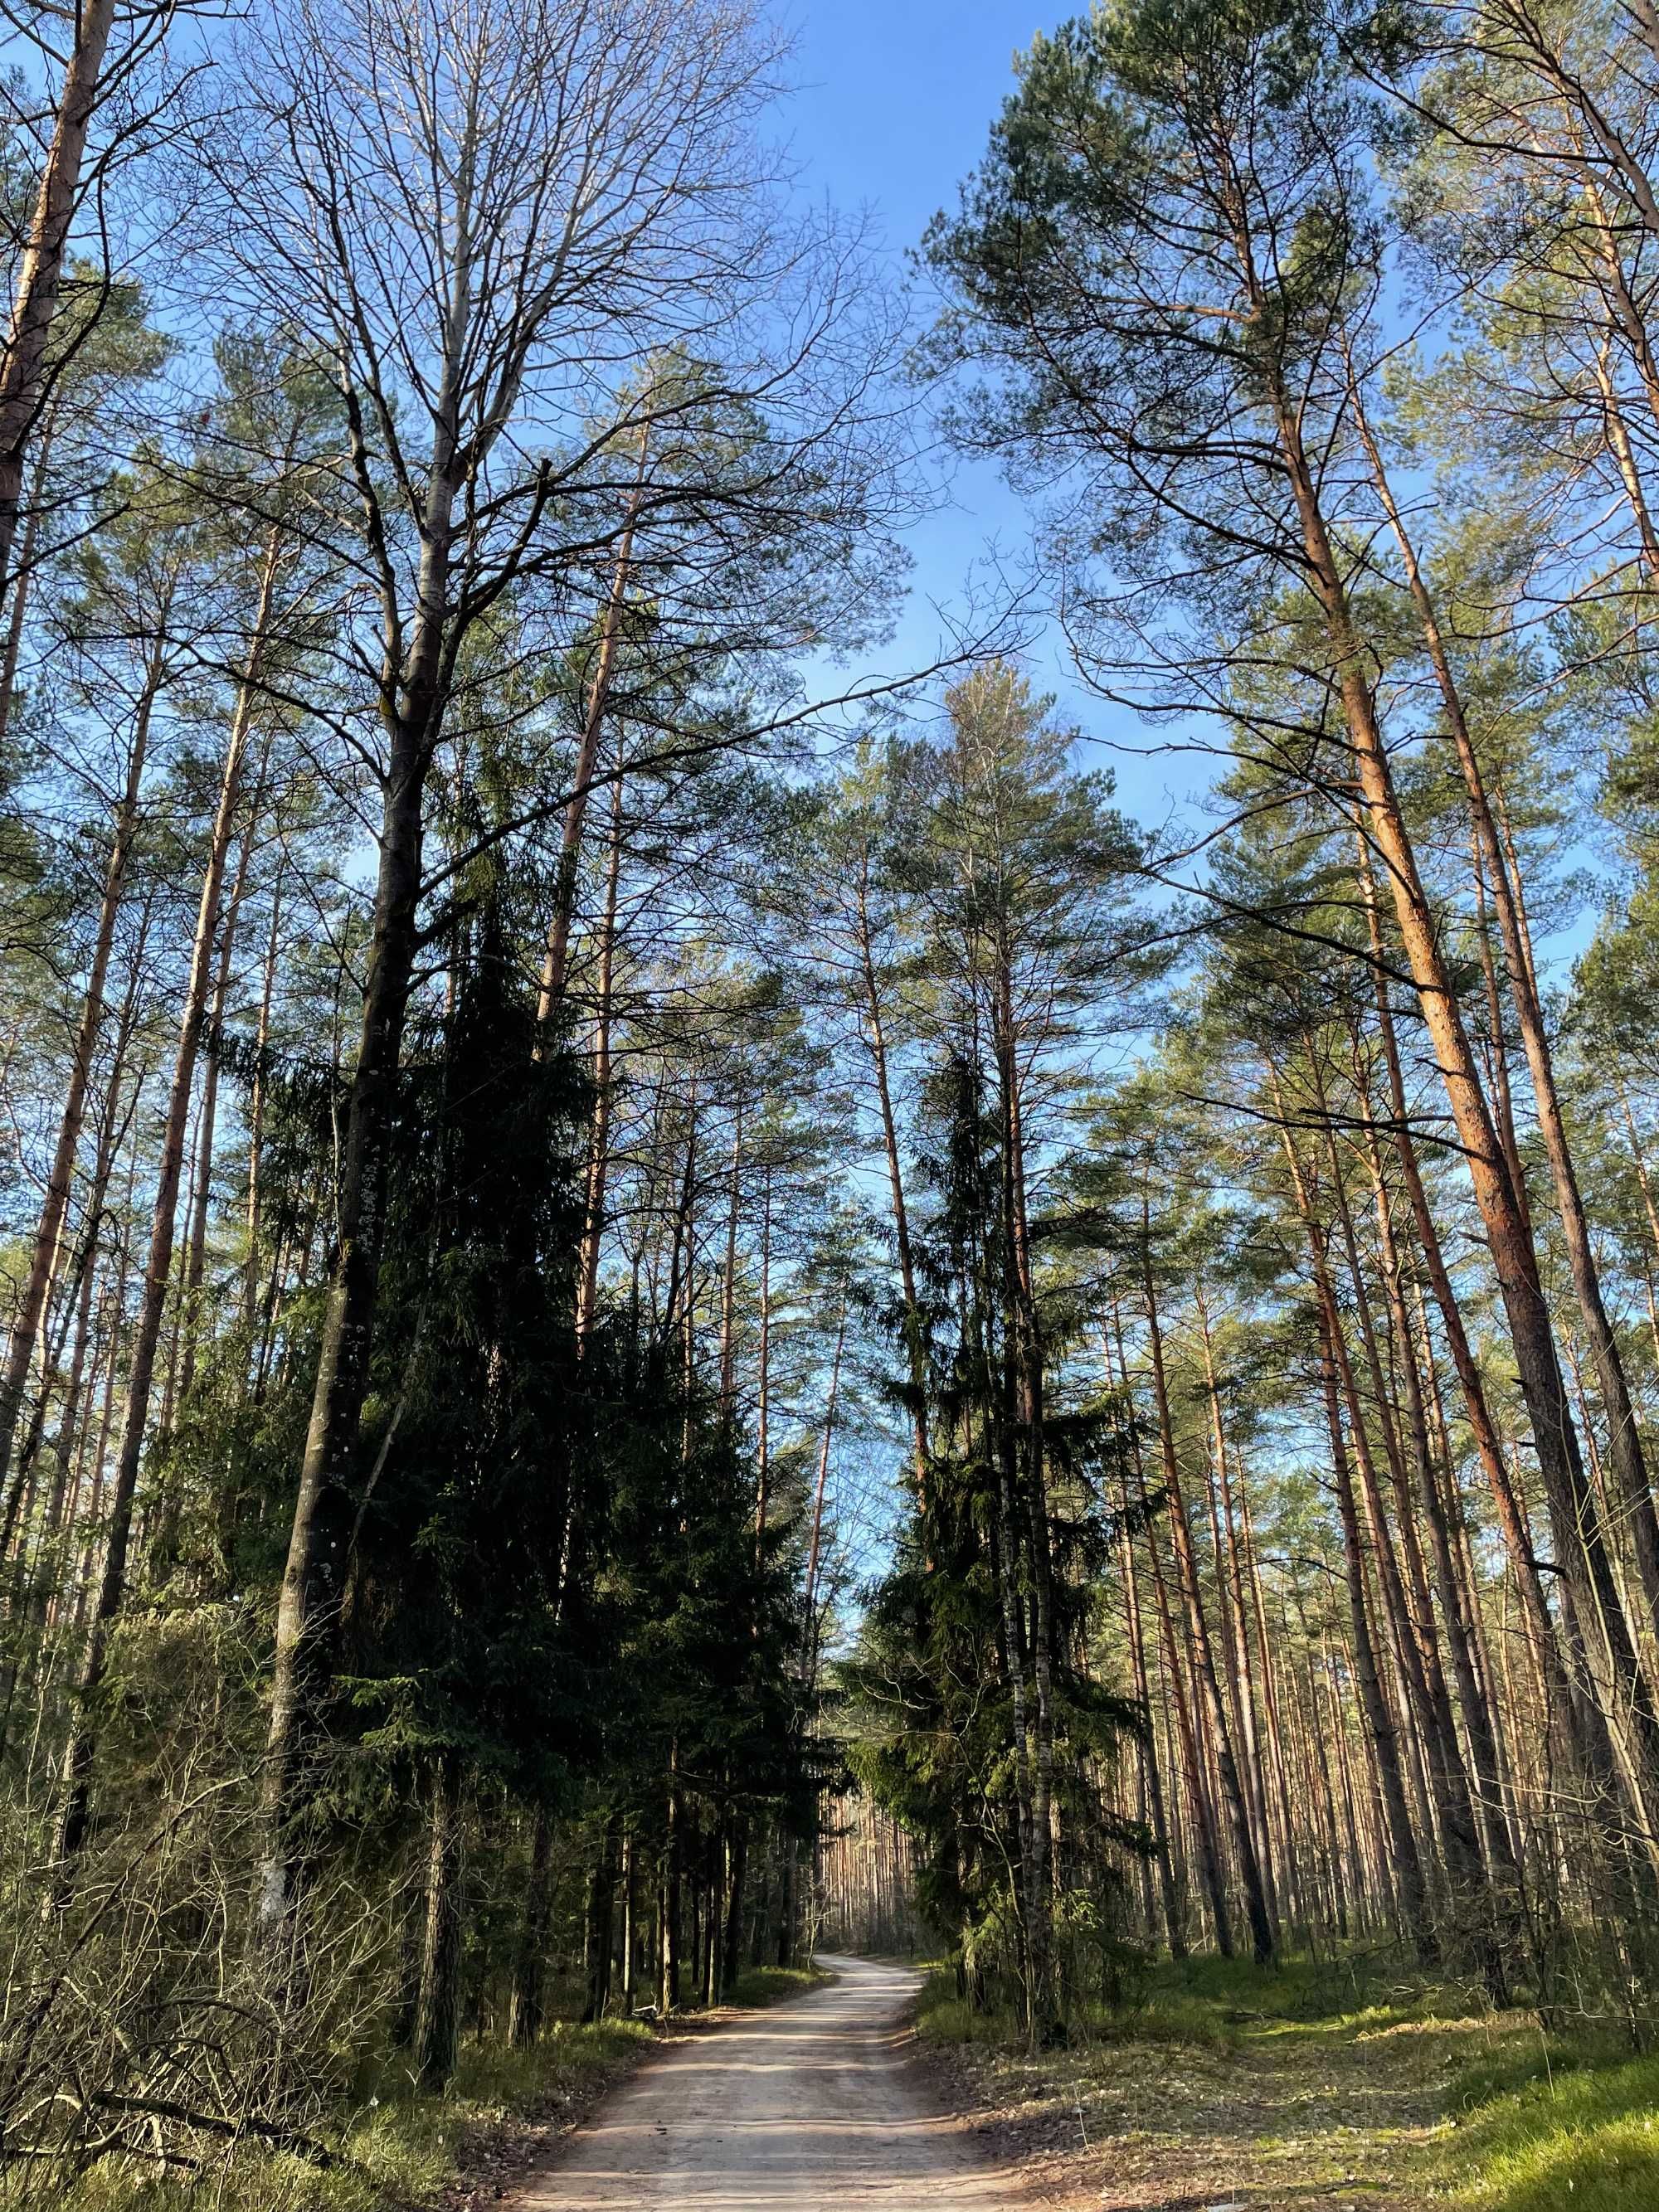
809,2104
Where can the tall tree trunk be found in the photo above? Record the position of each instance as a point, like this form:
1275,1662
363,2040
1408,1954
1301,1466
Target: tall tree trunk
763,1440
207,1119
1404,1588
308,1605
1587,1736
18,586
1174,1919
1006,1540
1024,1351
1325,1796
1385,1743
437,2018
629,1927
668,1901
602,1905
60,1512
1269,1685
1230,1605
731,1964
587,755
1262,1933
875,1035
31,1303
598,1151
1504,1873
527,2008
1624,1435
1638,1160
1405,1600
147,1329
256,1114
1498,1048
729,1278
1601,1630
809,1634
23,368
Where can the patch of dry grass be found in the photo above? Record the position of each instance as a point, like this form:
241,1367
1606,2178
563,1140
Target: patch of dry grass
1309,2089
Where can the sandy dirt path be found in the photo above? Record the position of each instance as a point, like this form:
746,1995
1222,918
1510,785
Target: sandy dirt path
809,2103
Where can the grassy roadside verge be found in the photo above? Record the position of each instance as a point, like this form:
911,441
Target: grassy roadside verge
403,2150
1331,2086
768,1985
1582,2132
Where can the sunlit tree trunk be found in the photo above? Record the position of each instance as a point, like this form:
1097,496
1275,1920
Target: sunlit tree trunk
256,1109
875,1035
308,1601
1024,1351
587,757
1385,1745
1624,1435
1471,1694
1235,1632
207,1118
1175,1923
147,1327
1262,1933
26,1326
1601,1630
14,594
764,1391
23,366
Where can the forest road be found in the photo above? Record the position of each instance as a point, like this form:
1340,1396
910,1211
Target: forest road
808,2103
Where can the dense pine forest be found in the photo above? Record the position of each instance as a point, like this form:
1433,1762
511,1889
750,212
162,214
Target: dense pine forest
672,1291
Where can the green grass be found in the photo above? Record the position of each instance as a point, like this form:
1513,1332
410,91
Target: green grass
398,2146
405,2145
1586,2138
1207,2003
1345,1990
768,1985
942,2016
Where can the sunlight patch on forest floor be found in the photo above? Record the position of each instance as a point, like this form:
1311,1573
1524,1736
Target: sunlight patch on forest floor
1284,2094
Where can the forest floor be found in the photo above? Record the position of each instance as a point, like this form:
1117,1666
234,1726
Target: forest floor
1330,2088
1323,2088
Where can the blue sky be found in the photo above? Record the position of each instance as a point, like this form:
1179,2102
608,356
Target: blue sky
894,102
